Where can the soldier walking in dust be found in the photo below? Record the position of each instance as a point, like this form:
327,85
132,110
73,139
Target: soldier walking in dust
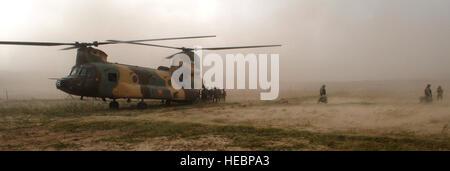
428,98
440,93
323,95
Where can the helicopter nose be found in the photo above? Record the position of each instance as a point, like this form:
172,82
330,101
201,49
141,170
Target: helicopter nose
60,84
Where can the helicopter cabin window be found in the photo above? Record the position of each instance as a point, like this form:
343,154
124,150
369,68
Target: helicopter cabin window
112,77
74,71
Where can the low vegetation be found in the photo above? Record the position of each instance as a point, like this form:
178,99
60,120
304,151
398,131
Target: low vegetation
133,131
90,125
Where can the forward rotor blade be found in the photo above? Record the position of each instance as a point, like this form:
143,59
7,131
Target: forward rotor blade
95,43
73,45
237,47
34,43
103,43
172,38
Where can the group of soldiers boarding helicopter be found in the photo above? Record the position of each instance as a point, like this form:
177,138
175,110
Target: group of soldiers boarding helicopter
213,95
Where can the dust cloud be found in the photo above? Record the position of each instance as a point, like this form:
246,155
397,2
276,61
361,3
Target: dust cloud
324,41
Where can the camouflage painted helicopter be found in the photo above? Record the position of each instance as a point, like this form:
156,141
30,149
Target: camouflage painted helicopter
93,76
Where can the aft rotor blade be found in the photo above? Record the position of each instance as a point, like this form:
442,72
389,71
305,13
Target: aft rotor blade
171,56
146,44
69,48
34,43
237,47
172,38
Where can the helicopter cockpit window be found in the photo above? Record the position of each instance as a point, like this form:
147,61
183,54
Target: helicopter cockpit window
74,71
82,72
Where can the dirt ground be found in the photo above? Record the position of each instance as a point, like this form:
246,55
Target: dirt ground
350,121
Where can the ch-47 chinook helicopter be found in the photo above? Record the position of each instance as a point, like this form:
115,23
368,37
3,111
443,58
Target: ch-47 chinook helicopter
93,76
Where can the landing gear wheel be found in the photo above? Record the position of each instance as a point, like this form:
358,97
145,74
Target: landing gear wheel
114,105
168,102
142,105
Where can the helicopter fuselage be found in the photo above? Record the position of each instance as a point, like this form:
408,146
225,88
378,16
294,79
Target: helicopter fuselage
92,76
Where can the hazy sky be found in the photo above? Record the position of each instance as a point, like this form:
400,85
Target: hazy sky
323,40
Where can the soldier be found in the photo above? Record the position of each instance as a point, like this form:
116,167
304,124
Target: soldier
428,94
323,95
204,96
219,95
224,94
440,93
216,95
323,91
210,95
